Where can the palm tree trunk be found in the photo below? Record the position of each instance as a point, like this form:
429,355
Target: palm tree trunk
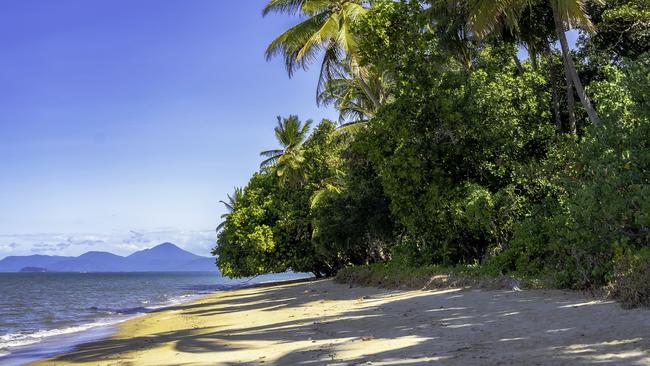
572,73
357,73
555,102
520,69
571,102
532,53
373,98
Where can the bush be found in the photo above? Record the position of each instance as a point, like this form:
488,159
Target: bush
394,274
351,216
631,278
451,157
604,200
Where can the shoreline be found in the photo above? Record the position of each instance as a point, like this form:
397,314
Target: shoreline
322,323
66,340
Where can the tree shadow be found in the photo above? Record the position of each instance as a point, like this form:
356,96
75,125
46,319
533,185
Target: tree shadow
305,324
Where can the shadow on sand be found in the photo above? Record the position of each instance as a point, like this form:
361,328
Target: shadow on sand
451,327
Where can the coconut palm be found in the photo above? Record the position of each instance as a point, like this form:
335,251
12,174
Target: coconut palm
351,98
290,167
326,30
486,15
290,133
230,205
449,18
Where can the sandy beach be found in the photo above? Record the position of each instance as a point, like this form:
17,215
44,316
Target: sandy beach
323,323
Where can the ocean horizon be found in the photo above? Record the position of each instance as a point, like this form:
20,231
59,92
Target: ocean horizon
44,314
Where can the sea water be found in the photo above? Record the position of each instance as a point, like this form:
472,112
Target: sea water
45,313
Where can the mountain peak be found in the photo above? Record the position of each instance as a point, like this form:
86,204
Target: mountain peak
166,245
94,253
166,251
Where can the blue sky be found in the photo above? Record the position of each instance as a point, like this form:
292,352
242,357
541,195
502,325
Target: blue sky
123,123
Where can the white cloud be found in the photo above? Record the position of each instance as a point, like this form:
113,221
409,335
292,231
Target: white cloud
122,243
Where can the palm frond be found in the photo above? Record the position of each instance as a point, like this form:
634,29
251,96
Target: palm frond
311,7
229,207
351,96
291,44
485,16
290,133
332,67
330,186
304,131
221,225
574,13
327,31
271,153
269,162
353,128
283,6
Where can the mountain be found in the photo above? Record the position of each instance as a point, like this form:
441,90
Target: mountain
91,262
16,263
165,257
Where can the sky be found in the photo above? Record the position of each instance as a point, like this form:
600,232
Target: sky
123,123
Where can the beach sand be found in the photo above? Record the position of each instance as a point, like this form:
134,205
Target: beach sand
323,323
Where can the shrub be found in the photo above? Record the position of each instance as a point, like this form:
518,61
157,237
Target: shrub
631,278
604,200
451,156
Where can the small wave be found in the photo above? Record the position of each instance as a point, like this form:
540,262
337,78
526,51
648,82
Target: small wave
13,340
210,288
122,311
10,342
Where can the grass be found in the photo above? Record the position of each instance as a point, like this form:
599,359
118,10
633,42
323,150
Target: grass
398,276
630,284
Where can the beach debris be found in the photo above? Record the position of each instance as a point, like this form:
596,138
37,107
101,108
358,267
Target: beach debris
367,338
360,300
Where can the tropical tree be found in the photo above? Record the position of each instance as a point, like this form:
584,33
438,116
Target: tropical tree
623,27
327,29
486,15
290,133
350,97
230,205
449,23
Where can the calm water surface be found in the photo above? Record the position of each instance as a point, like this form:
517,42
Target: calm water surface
36,307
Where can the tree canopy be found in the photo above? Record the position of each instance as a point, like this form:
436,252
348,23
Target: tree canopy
451,150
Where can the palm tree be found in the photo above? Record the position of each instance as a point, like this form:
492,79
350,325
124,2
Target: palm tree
230,206
351,99
290,133
290,168
326,30
449,19
567,14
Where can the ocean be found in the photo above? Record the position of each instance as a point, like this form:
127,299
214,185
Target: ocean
47,313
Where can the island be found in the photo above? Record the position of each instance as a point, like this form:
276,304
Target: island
33,269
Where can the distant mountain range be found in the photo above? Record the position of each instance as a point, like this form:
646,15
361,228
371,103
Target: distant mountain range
165,257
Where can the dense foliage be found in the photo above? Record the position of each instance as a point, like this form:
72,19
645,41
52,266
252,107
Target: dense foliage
454,151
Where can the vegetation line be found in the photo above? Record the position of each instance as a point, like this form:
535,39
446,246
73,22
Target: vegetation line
455,159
